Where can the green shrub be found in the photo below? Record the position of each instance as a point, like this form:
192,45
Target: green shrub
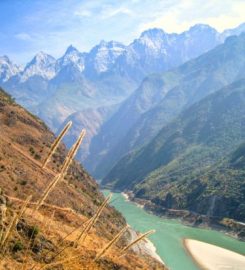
33,232
37,156
18,246
2,168
31,149
23,182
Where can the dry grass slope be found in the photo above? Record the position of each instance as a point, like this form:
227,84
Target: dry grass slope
63,222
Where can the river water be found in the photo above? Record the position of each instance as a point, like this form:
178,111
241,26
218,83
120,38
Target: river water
170,233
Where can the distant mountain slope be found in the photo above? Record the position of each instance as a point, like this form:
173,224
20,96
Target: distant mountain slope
91,120
162,97
217,191
105,144
7,69
184,150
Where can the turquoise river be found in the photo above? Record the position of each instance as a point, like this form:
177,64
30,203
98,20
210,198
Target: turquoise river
170,233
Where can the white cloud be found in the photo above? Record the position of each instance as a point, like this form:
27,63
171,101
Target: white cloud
83,13
23,36
53,27
108,12
220,14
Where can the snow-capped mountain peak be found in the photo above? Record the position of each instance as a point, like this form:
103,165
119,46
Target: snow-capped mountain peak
7,69
104,55
43,57
4,58
154,40
71,49
41,65
236,31
71,57
201,27
153,33
154,51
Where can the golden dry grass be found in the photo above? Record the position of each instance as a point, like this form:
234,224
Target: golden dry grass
56,143
64,170
56,226
112,242
93,220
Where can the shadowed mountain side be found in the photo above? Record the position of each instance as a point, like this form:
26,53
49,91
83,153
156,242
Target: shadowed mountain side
160,98
184,149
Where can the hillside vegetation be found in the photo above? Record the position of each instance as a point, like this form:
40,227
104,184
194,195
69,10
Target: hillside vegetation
169,170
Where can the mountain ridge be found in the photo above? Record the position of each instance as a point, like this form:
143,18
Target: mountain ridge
147,37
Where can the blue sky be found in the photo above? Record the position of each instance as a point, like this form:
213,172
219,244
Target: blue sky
29,26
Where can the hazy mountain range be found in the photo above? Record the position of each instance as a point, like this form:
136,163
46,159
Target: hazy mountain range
96,89
160,98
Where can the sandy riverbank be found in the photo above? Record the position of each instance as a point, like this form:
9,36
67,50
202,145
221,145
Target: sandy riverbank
125,195
145,247
211,257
